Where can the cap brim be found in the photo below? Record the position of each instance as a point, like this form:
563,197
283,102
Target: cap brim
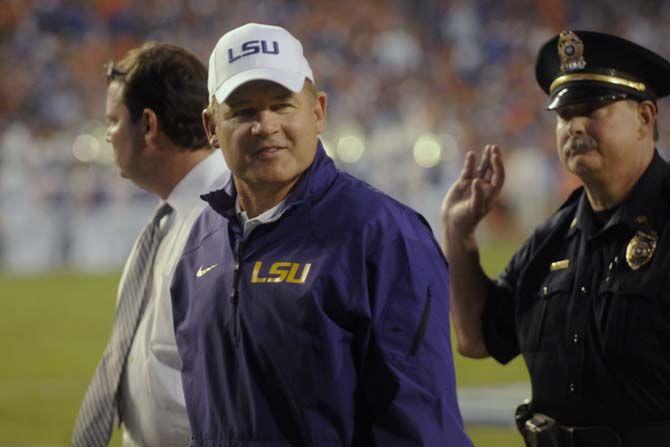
292,80
586,93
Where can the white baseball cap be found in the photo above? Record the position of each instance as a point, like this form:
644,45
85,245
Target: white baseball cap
254,52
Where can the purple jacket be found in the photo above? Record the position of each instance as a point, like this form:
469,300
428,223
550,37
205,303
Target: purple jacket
328,327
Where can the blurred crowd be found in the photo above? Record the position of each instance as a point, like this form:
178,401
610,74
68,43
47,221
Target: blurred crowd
412,86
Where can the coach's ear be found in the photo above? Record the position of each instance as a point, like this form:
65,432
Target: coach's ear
150,127
209,123
320,111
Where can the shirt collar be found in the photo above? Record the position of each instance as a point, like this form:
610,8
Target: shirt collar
639,210
268,216
264,217
209,174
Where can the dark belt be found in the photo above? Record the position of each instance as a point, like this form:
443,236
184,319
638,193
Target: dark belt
543,431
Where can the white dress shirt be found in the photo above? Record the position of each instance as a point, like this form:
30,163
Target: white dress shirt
152,398
248,225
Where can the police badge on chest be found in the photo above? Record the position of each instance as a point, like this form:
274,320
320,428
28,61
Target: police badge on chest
641,248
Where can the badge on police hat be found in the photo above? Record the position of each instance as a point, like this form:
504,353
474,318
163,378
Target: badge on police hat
641,248
577,67
570,51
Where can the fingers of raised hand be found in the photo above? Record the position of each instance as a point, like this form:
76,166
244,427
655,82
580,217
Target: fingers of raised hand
482,197
476,197
468,171
498,170
485,162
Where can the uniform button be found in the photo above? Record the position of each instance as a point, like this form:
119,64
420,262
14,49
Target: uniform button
575,338
583,290
572,387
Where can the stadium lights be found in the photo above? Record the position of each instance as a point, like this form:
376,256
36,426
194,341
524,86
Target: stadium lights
427,151
350,148
85,148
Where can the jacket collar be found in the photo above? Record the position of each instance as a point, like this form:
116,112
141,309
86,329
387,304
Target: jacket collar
313,181
639,210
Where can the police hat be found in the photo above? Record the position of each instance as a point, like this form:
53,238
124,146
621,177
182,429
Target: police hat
585,66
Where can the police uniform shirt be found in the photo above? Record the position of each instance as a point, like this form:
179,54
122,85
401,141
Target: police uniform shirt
592,325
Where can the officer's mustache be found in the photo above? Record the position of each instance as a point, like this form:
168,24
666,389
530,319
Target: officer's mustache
576,145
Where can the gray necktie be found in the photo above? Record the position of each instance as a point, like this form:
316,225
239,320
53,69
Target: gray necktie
96,415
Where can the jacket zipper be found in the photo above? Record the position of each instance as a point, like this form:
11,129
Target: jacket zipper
239,245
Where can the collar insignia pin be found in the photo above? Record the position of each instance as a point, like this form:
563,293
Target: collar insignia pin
641,220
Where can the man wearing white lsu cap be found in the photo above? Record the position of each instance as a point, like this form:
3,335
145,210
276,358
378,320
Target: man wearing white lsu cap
310,309
256,56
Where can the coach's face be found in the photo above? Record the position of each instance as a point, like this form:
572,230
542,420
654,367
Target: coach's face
126,137
268,134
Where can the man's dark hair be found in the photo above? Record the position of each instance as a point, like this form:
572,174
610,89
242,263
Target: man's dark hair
170,81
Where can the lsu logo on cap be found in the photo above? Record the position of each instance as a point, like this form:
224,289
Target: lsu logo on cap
252,47
281,272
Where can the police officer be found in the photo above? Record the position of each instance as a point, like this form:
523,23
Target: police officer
586,299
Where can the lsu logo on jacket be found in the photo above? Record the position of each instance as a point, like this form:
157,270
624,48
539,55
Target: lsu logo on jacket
284,271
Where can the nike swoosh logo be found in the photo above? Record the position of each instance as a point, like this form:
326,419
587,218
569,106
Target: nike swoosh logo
203,271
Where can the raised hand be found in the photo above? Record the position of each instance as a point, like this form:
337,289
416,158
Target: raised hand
471,197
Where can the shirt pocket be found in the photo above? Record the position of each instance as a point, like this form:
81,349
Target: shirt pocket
628,318
543,322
